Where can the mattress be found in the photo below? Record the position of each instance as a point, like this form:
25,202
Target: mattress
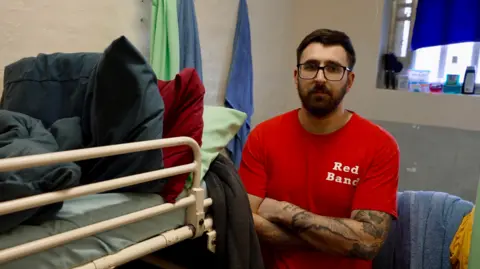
87,210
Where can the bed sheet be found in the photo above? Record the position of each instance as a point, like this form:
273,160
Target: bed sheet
87,210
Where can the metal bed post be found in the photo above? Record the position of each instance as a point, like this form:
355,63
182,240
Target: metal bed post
195,212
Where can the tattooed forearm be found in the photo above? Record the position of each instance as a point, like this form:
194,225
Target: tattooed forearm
364,251
374,223
358,237
276,236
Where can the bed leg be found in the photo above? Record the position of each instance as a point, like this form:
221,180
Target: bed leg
195,212
212,240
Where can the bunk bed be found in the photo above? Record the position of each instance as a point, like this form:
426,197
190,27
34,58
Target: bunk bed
83,175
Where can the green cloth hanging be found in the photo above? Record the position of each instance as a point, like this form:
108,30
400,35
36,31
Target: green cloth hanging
164,39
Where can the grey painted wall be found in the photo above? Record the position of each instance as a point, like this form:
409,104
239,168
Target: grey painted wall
436,158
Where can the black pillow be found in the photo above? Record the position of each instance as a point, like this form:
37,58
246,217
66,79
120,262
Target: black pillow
122,105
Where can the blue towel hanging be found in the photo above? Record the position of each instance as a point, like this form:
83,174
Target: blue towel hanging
190,53
239,93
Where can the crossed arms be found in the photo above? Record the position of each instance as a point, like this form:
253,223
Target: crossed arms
284,225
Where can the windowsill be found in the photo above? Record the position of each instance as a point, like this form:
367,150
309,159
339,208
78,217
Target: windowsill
477,94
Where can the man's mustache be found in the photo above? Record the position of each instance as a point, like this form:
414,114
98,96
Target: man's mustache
319,89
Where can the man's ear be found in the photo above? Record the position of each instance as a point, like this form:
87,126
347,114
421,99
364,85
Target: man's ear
295,77
350,80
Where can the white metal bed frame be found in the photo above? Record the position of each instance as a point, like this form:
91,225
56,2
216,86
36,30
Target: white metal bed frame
196,222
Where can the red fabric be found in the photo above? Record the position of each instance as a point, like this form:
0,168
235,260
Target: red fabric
318,172
183,116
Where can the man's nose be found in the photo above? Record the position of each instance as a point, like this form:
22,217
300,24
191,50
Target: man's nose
320,76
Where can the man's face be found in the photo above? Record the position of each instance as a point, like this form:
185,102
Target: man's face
321,96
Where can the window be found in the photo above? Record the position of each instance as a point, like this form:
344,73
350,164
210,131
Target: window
439,60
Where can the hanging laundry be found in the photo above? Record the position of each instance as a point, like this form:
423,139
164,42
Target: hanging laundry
443,22
190,53
164,39
239,93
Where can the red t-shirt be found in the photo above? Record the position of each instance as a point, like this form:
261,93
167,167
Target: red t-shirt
355,167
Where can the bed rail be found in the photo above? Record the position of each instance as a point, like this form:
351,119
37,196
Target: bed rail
195,202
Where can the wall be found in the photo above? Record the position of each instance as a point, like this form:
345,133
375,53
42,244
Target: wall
272,51
30,27
443,157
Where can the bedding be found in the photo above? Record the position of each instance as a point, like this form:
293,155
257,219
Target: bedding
220,126
86,210
183,98
23,135
80,100
237,242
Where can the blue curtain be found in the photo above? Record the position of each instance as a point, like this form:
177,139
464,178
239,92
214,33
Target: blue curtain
443,22
190,54
239,93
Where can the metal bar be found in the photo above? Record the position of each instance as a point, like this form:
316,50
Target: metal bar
57,196
36,246
16,163
23,162
144,248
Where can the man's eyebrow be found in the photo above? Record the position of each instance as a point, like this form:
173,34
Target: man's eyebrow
327,62
332,62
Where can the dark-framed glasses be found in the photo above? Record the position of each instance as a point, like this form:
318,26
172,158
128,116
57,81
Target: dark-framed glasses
331,72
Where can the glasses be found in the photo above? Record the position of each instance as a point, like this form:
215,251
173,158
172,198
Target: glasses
331,72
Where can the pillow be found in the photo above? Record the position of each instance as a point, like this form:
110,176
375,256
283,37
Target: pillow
122,105
220,125
183,99
48,87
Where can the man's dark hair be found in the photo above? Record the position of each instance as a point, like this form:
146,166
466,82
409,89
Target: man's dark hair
329,37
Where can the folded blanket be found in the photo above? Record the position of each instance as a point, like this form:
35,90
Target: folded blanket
422,235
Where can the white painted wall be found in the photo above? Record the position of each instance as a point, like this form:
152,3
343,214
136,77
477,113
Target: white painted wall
29,27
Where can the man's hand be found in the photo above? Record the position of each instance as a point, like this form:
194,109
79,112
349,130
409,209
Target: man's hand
270,233
359,237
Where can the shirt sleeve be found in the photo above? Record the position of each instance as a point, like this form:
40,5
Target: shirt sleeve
378,189
252,167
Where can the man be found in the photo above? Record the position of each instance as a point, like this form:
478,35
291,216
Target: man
322,181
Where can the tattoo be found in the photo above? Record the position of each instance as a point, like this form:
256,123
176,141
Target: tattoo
374,223
359,237
291,207
363,251
276,236
301,222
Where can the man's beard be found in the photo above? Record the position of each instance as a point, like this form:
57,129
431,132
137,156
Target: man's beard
321,105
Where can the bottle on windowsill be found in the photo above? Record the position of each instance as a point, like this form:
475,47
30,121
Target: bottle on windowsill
468,86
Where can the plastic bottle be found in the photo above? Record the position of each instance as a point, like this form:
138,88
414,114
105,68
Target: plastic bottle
468,86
